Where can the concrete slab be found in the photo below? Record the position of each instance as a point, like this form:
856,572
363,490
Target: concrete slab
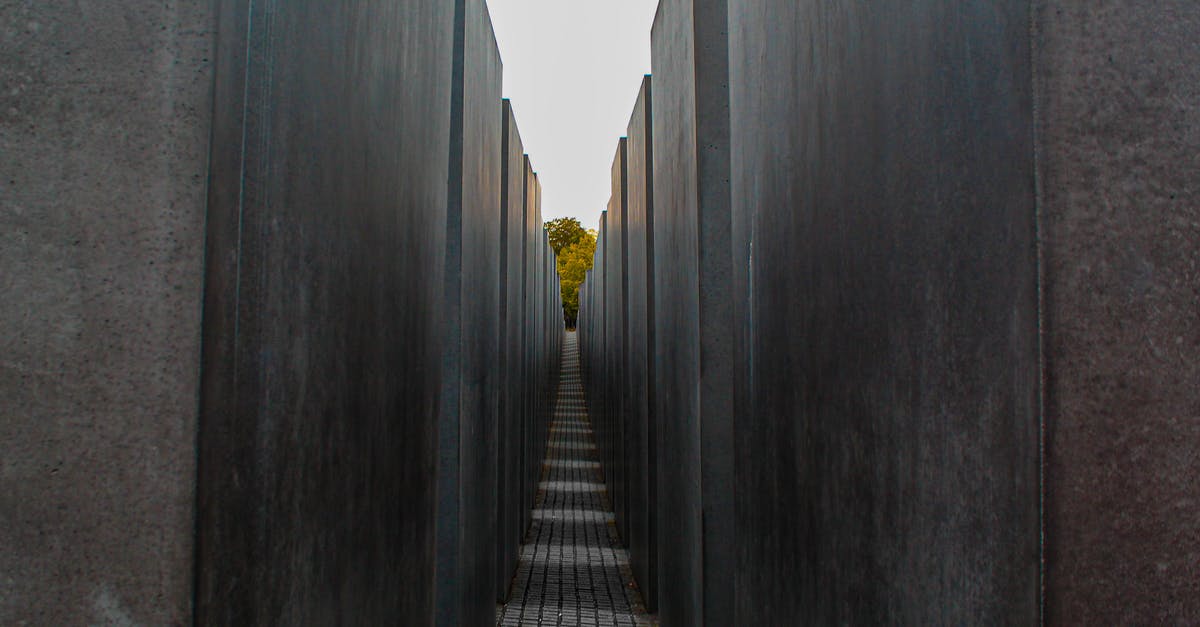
641,473
597,400
104,140
467,422
693,312
509,473
616,295
326,247
346,366
537,254
1117,93
882,169
529,426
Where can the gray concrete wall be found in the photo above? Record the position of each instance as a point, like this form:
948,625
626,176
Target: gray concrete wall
891,471
541,352
1118,106
545,262
278,460
946,241
693,344
529,345
510,469
585,328
467,426
326,249
597,399
104,134
641,474
614,430
540,384
529,393
552,329
555,333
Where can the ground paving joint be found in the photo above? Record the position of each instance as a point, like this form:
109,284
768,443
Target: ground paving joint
574,569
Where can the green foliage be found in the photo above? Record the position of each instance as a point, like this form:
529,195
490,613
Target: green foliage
573,264
564,232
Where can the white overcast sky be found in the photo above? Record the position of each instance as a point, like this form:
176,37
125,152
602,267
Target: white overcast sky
572,69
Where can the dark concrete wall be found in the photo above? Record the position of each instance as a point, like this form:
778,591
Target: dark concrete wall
529,393
641,474
533,360
613,427
326,249
467,423
541,346
510,469
352,314
693,340
944,241
551,332
1118,105
541,352
105,119
890,473
555,338
536,389
598,350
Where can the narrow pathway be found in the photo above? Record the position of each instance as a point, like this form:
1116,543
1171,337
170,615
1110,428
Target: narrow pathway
573,568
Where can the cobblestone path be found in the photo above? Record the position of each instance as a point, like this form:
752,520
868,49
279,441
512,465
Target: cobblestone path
573,569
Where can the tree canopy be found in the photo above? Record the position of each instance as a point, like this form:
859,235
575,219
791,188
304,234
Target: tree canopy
564,232
575,249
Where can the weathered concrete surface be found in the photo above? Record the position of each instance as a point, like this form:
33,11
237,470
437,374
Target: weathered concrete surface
542,344
693,345
529,393
553,333
1118,101
540,385
539,262
326,249
104,135
883,158
594,383
510,467
613,425
470,368
638,383
330,340
585,331
532,360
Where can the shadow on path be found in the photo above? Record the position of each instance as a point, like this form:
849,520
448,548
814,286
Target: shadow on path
573,569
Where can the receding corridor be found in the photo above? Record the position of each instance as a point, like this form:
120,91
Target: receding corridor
574,569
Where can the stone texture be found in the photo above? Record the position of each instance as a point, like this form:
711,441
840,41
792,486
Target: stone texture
613,432
105,117
573,570
276,461
530,393
693,350
510,468
1118,87
641,472
535,325
470,366
596,395
323,302
882,168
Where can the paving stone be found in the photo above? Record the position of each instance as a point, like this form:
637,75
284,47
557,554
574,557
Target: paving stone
573,569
